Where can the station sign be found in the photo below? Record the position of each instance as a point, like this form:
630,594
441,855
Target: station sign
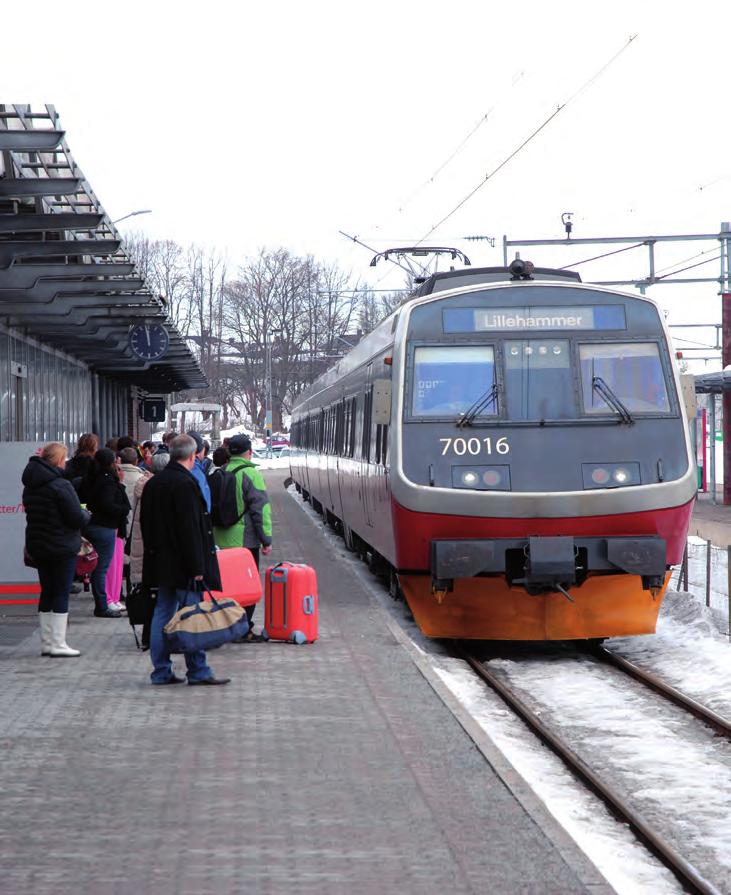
590,317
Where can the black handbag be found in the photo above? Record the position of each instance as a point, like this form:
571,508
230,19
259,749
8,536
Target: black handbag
140,605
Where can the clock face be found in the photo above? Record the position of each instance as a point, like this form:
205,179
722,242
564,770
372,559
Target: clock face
148,341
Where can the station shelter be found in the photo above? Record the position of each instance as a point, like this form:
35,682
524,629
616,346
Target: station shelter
69,297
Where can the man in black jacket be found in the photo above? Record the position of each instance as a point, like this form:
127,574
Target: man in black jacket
179,555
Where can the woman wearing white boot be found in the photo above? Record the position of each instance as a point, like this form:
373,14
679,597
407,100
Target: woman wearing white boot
54,519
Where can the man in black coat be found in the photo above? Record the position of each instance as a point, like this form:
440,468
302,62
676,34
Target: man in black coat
179,555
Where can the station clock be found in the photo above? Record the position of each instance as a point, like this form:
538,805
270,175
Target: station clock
148,341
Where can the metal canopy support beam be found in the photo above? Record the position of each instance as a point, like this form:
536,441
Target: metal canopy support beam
14,249
29,223
26,276
30,140
22,188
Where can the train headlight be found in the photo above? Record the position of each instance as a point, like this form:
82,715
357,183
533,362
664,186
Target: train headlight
481,478
610,475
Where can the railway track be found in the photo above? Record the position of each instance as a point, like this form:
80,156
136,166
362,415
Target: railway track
721,725
689,876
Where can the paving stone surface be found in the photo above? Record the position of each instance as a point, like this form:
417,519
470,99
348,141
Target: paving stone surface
325,768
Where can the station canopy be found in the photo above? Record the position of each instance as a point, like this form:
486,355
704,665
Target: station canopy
713,383
65,277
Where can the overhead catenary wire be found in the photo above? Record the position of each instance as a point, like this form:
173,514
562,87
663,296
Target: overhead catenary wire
669,267
603,255
528,139
456,151
690,267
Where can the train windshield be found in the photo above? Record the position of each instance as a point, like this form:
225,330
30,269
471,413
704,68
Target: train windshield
538,381
632,371
450,379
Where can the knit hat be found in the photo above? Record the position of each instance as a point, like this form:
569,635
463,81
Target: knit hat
239,444
198,439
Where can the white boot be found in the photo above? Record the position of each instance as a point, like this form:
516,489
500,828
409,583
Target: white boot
45,620
59,647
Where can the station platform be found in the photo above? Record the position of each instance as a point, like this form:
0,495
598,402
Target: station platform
711,521
325,768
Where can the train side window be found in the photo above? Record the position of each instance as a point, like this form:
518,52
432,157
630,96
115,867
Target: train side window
353,415
340,423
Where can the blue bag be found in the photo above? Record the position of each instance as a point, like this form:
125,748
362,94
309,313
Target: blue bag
206,625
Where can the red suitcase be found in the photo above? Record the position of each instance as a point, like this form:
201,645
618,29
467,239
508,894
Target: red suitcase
239,576
290,607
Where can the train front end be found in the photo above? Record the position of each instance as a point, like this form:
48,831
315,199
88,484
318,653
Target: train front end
542,476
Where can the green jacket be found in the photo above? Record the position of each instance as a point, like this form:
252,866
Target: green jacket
255,527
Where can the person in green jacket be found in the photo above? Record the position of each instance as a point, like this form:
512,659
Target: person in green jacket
254,530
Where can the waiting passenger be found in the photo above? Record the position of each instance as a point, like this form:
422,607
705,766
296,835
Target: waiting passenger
164,447
54,520
254,530
199,470
78,466
180,556
147,449
105,496
137,549
221,456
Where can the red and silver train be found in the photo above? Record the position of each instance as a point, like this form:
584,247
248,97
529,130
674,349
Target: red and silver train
513,445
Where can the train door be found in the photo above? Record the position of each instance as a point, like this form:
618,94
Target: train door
333,459
366,474
348,480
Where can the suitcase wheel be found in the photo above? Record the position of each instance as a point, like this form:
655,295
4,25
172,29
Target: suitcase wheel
264,635
298,637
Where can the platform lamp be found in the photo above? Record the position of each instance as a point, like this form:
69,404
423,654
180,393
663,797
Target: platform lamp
132,214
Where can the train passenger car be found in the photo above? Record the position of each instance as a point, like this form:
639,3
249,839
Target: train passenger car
512,445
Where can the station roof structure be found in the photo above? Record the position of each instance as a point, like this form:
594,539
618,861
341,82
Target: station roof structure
65,276
713,383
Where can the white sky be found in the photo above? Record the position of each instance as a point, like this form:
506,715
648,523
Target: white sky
245,125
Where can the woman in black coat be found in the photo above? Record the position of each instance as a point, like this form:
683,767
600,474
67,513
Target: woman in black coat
54,519
105,497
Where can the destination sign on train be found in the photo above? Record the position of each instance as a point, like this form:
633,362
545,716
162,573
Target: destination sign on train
461,320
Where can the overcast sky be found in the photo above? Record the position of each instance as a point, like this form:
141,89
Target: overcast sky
244,125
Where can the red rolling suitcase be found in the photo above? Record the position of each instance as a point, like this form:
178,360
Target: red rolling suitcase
239,576
290,607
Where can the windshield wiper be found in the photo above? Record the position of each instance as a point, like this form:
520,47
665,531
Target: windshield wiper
600,386
482,403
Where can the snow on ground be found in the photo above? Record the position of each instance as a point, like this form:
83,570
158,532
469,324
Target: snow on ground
613,849
673,769
697,566
272,463
687,651
621,859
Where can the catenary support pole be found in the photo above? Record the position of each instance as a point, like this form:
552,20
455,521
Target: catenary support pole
726,360
708,573
712,446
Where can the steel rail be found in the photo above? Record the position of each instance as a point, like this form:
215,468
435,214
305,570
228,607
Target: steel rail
721,725
686,873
